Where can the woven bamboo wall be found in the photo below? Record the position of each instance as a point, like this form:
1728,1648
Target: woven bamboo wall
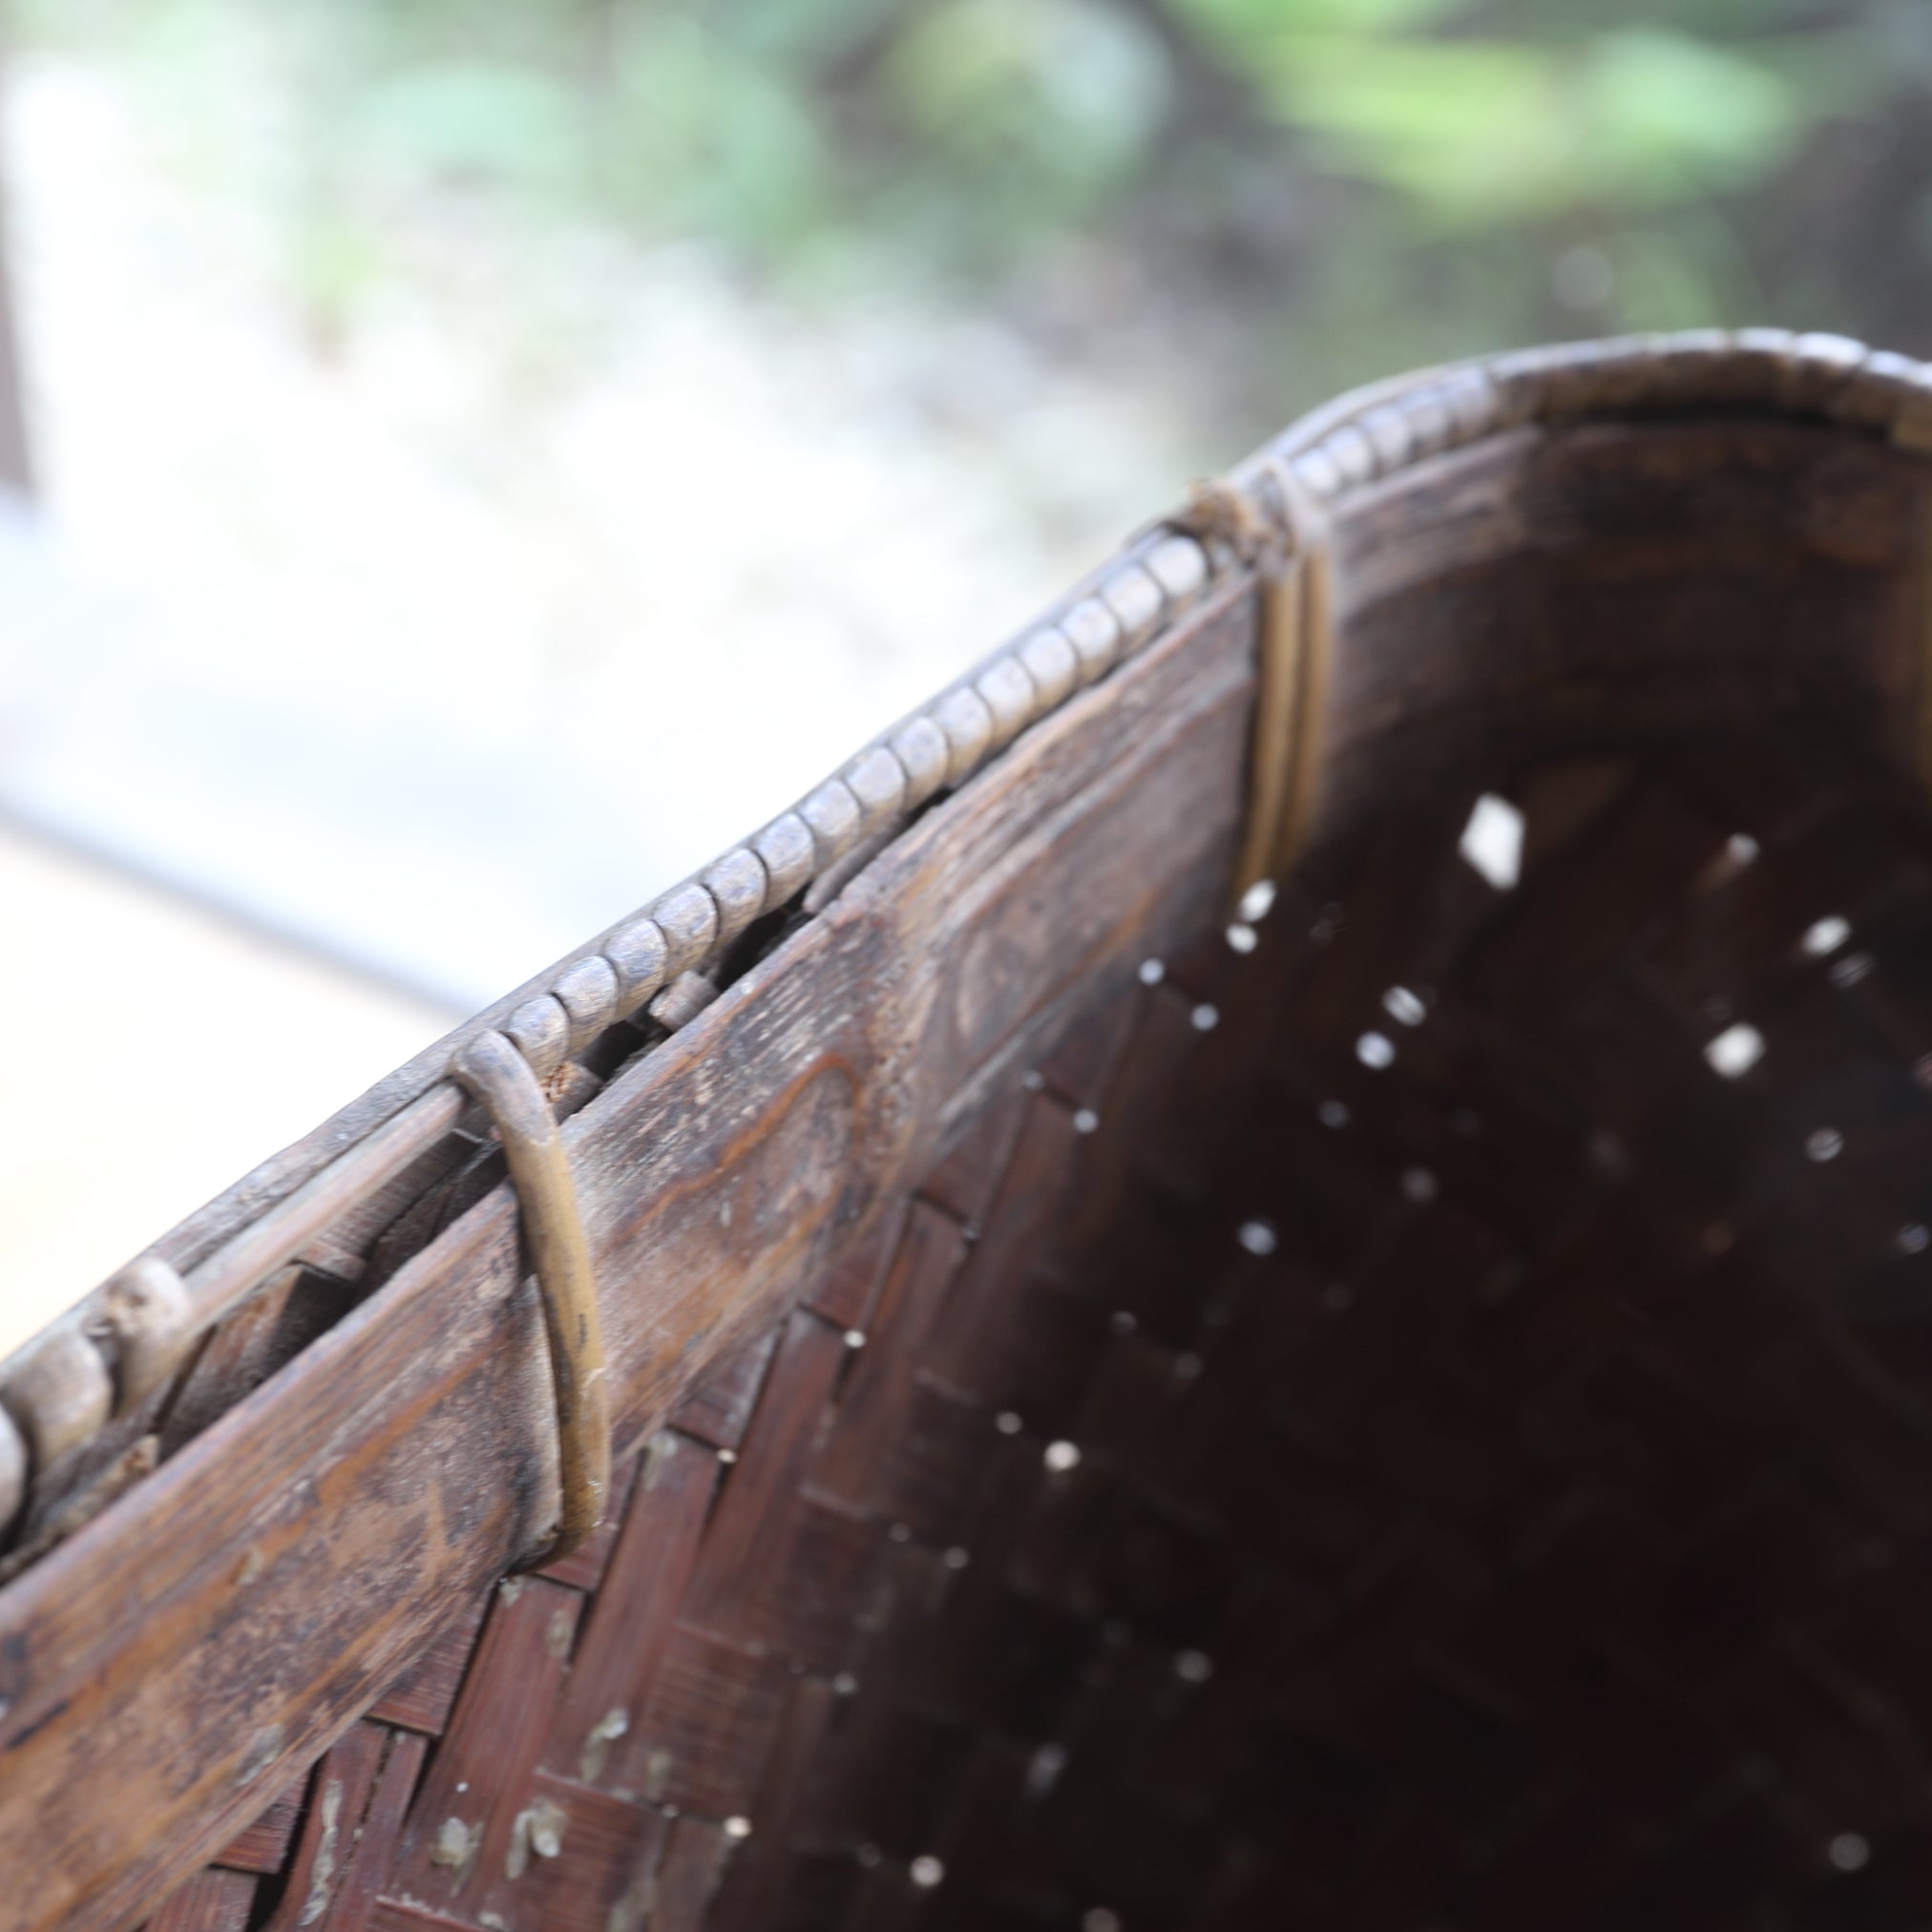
1277,1487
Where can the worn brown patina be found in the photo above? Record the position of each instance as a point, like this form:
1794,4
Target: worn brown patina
1355,1420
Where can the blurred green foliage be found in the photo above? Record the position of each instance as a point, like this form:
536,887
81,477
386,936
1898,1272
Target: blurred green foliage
1375,180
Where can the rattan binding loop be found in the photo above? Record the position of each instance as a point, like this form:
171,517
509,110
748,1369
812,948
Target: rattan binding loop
1274,527
500,1077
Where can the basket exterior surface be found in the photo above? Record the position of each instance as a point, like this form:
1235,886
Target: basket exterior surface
1406,1407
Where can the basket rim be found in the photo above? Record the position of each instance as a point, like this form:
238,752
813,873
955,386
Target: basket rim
1164,573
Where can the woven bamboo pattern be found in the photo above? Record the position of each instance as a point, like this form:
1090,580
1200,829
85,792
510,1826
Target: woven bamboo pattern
1249,1484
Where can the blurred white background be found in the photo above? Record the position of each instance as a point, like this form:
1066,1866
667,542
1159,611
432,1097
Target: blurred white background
491,453
435,650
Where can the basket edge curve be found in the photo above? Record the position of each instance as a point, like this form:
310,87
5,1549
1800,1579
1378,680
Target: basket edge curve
58,1390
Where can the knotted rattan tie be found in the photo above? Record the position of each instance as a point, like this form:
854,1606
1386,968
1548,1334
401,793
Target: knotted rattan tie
501,1079
1284,542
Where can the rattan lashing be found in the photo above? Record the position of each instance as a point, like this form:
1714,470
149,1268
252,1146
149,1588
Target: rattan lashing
1351,1421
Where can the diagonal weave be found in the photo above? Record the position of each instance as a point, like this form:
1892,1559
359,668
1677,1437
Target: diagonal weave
1248,1484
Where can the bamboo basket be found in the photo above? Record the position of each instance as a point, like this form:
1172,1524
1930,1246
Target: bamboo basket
1268,1269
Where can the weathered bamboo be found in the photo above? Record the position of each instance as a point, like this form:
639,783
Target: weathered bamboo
1407,1406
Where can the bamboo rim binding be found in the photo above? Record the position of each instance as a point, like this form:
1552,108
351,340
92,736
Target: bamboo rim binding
154,1318
1278,530
500,1078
